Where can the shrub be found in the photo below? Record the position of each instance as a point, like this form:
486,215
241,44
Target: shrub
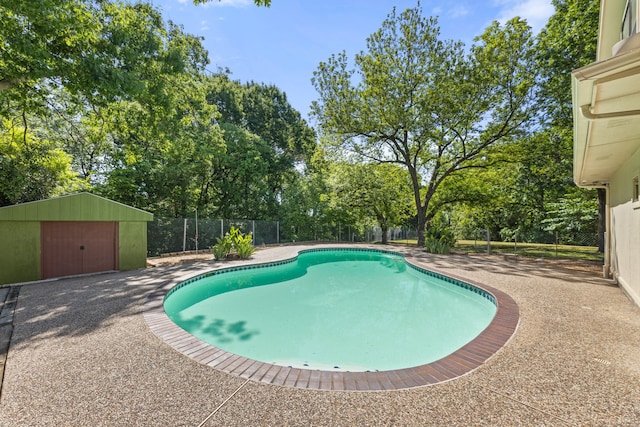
439,240
244,249
222,249
234,240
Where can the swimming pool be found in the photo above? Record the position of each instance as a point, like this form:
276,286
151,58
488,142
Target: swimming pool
462,362
354,310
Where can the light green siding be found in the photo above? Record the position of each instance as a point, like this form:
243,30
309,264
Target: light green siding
132,238
19,251
75,207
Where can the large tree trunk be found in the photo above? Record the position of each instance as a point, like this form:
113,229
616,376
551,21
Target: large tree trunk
385,232
422,223
602,218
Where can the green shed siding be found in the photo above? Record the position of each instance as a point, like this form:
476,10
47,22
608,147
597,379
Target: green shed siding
75,207
20,232
20,251
133,245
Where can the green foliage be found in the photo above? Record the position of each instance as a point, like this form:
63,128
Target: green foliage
305,210
531,193
439,240
265,138
372,193
568,41
244,248
236,241
533,250
32,168
427,104
222,249
573,216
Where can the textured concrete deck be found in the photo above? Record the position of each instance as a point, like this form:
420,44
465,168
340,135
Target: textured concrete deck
82,354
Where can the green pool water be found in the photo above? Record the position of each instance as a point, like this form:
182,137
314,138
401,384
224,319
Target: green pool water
342,310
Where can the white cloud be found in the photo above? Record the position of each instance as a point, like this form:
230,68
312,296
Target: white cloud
222,3
232,3
458,11
536,12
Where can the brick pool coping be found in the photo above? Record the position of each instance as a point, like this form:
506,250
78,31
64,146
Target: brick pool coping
461,362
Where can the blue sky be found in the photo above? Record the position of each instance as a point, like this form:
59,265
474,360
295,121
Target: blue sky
283,44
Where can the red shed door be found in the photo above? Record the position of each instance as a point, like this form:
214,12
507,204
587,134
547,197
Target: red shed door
78,247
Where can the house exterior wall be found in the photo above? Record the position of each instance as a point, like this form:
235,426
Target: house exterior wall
19,251
625,228
132,245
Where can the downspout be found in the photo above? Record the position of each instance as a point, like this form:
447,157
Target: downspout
607,234
606,268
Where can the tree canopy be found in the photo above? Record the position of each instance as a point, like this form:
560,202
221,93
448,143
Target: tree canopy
109,97
427,104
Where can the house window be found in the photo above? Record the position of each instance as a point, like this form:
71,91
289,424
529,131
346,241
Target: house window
636,189
629,19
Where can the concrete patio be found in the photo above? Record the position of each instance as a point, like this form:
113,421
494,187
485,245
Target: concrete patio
82,354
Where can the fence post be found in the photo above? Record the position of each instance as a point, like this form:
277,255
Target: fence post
488,242
196,231
184,236
556,244
515,243
278,232
254,232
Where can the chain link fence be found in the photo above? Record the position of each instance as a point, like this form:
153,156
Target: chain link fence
574,244
173,235
170,235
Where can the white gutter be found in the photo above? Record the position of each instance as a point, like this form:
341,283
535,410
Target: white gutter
587,114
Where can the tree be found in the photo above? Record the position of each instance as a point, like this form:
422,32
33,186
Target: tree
237,183
266,141
378,192
44,39
427,104
102,49
31,168
568,41
165,146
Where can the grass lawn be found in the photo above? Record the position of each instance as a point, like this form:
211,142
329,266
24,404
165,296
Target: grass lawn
534,250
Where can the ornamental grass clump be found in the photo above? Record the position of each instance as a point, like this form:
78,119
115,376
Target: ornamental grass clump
232,241
439,240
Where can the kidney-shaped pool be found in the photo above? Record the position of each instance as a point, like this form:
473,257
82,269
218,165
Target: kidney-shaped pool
339,309
335,318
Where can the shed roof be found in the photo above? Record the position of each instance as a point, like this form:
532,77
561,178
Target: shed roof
74,207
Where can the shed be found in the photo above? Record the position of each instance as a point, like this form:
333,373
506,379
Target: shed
75,234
